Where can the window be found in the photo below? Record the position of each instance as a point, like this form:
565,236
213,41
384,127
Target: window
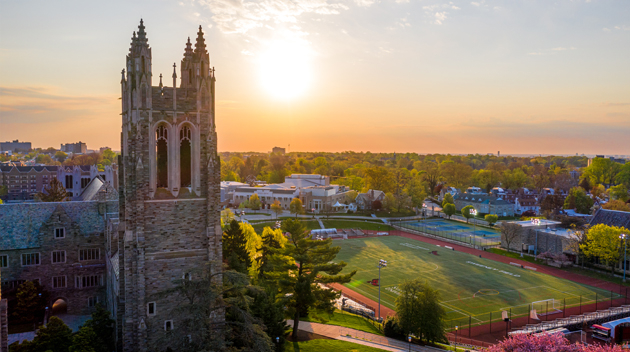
4,261
59,281
92,301
84,182
14,283
185,158
68,181
29,259
168,325
58,257
151,308
162,156
90,254
60,232
187,276
88,281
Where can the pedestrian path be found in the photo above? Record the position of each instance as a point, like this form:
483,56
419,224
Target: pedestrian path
321,224
360,337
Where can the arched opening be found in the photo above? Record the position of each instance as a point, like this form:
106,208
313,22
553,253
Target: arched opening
162,156
190,76
203,69
60,306
143,65
185,156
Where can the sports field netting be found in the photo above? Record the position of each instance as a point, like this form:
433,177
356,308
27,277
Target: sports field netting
462,232
470,287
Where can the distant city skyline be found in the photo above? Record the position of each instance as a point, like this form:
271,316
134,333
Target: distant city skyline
459,77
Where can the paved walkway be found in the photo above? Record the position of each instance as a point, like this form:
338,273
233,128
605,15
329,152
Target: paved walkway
360,337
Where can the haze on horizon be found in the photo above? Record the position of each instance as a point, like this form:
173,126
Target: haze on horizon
426,76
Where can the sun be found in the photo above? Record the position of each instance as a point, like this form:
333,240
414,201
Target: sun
285,69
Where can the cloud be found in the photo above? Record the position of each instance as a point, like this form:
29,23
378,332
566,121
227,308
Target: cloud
475,4
438,17
536,53
33,105
242,16
562,48
364,3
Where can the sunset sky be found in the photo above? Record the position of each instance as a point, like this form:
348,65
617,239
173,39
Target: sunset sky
426,76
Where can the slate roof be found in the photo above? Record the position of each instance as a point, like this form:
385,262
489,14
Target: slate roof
611,218
20,222
480,198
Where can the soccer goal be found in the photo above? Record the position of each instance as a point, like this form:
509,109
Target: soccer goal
547,306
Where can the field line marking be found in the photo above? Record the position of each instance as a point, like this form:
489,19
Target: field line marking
500,292
462,312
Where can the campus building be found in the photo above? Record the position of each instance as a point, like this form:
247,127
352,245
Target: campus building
24,182
484,204
15,147
74,148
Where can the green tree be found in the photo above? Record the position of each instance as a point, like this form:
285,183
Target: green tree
84,340
61,156
448,199
276,207
491,219
55,337
449,209
619,192
379,178
254,202
603,241
296,207
602,170
312,264
226,217
416,190
44,159
271,314
103,327
235,248
598,191
513,179
419,311
456,174
578,200
623,176
466,212
586,184
31,300
54,191
272,242
431,175
351,196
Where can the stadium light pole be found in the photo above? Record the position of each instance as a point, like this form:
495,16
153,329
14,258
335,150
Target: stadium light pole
624,237
381,264
536,222
473,212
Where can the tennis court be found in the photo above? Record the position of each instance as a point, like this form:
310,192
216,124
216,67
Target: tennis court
458,231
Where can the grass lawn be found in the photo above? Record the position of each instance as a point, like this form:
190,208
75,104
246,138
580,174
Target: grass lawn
353,224
469,285
347,320
327,345
259,226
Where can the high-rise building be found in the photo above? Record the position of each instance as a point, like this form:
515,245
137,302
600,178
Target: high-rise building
74,148
169,221
16,146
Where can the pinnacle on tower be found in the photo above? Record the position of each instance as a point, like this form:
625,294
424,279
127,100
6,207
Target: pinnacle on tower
188,51
200,45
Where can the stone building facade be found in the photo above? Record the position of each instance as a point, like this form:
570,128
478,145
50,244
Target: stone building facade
60,245
169,174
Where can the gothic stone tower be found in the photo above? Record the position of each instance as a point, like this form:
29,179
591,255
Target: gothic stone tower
169,188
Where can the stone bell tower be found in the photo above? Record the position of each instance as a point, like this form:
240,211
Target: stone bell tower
169,188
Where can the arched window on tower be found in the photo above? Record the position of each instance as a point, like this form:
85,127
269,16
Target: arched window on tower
185,156
161,137
143,65
190,76
203,69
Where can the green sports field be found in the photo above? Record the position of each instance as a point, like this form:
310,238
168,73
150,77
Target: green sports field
469,285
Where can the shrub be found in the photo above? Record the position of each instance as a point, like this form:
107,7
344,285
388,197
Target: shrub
392,329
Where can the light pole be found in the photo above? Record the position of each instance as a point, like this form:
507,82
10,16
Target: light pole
536,222
278,343
381,264
623,236
424,216
473,212
456,327
409,339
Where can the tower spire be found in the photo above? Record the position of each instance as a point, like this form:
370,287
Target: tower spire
200,45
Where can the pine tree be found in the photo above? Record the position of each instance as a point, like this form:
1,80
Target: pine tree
84,340
298,279
235,248
56,336
104,327
270,246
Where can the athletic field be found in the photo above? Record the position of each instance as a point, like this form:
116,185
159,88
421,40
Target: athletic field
469,285
455,230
